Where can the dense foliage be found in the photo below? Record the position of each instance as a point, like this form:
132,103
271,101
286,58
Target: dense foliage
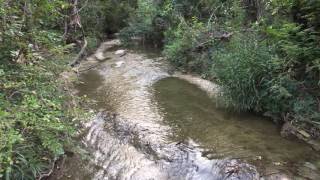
264,54
35,125
102,18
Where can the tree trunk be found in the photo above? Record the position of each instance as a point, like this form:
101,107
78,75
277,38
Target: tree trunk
73,22
254,9
73,27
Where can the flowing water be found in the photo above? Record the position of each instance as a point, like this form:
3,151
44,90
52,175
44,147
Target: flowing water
151,124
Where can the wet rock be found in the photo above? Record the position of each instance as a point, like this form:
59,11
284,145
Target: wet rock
310,166
315,144
258,158
208,155
120,52
274,173
288,130
90,58
304,133
309,171
210,88
100,56
277,176
234,169
119,64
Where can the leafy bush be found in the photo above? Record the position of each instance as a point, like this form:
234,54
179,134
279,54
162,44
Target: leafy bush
145,24
243,67
35,126
105,16
254,77
182,45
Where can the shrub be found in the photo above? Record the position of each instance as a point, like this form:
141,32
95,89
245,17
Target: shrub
105,16
183,43
243,67
145,23
35,126
254,76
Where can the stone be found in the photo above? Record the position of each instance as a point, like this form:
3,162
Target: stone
315,145
310,166
99,56
119,64
120,52
287,130
304,133
90,58
308,173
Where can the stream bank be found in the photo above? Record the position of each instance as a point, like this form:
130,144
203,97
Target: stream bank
152,124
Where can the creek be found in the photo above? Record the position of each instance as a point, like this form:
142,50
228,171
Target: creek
152,123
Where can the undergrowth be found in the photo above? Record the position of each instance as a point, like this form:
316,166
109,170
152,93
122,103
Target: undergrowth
36,122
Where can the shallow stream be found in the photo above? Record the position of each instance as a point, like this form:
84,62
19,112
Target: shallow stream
152,124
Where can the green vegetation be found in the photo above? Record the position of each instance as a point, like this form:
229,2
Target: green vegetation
35,125
36,122
105,17
264,54
38,117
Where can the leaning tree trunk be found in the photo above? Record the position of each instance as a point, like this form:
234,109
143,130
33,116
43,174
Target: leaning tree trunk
73,27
